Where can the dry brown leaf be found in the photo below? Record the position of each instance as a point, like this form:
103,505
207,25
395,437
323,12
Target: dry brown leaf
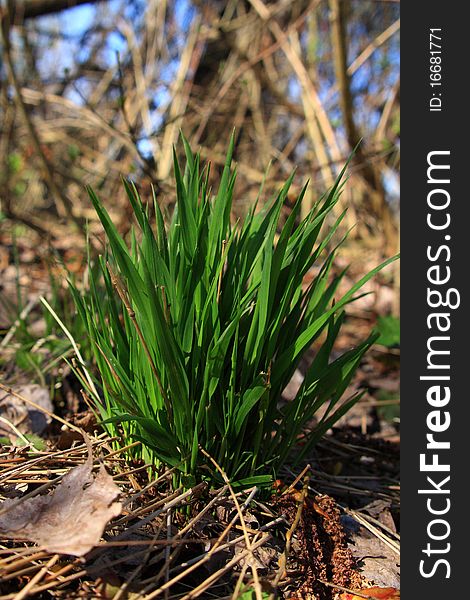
71,519
374,593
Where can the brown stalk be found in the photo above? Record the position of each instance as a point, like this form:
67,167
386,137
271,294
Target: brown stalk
369,173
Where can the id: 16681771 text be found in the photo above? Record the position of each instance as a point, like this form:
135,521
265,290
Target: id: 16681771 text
435,69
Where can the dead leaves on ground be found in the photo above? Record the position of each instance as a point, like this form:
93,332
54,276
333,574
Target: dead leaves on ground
71,519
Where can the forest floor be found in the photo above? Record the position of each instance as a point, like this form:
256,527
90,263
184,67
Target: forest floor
327,530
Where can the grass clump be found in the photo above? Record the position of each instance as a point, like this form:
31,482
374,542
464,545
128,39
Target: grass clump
204,323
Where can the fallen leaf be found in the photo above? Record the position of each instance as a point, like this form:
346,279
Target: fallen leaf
71,519
374,593
25,417
377,562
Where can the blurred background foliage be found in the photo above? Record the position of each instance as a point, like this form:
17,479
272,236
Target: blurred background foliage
91,91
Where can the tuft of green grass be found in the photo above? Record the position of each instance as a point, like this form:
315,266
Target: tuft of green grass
203,324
